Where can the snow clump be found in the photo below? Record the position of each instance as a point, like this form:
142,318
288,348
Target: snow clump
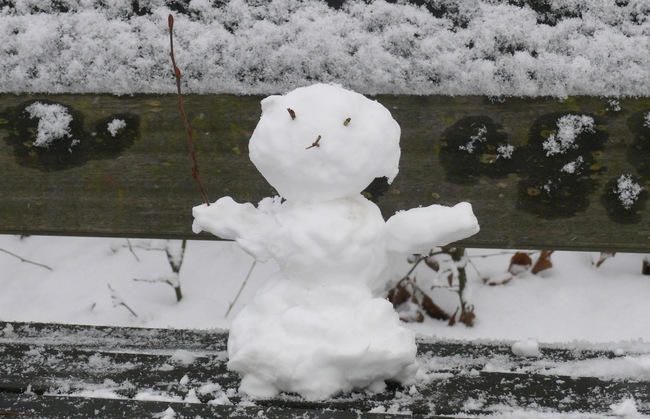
568,128
53,122
315,328
628,190
115,126
527,348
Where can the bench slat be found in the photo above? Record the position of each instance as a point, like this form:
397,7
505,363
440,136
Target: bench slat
58,366
145,189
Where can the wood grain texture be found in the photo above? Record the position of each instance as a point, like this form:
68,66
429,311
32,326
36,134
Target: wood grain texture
139,184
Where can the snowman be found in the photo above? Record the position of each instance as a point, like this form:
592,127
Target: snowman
316,327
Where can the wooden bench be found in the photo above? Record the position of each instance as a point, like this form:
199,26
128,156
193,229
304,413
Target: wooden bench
137,183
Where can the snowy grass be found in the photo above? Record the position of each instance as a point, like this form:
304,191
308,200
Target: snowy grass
571,303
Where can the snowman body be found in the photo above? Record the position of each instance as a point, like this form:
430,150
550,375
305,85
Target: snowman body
315,327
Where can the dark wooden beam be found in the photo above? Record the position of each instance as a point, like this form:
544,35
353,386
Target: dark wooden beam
139,184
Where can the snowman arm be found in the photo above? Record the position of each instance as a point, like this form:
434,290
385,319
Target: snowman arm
418,230
230,220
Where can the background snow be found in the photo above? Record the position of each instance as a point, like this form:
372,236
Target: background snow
451,47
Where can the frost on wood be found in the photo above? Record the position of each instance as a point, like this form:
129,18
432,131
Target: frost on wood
53,122
479,137
451,47
315,328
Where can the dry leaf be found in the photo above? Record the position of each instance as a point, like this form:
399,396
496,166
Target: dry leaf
519,262
398,295
543,262
432,263
432,309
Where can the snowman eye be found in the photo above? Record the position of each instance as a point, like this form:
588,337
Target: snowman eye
347,121
292,114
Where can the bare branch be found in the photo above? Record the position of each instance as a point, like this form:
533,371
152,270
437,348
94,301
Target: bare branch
22,259
250,271
181,110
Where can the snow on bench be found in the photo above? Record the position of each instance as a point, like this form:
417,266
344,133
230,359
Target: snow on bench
92,371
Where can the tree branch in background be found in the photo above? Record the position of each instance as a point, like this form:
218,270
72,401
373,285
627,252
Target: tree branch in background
25,260
181,110
118,301
250,271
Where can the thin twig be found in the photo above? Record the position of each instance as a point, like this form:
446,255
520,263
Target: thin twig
25,260
118,301
128,242
181,110
250,271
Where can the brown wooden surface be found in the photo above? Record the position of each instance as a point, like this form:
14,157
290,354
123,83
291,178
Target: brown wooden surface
145,189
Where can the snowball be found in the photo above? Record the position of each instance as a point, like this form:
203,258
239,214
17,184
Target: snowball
353,341
53,122
347,157
115,126
527,348
182,356
626,408
568,128
628,191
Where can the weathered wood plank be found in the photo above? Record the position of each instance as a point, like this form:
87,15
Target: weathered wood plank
49,368
138,184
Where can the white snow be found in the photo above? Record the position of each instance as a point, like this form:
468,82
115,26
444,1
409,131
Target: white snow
568,128
115,126
478,47
573,166
53,122
315,327
505,151
528,348
628,190
626,408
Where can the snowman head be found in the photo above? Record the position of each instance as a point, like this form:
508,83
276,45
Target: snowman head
324,142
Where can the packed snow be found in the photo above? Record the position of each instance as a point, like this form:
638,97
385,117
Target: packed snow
315,328
453,47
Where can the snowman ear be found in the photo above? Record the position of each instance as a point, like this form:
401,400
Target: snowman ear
269,103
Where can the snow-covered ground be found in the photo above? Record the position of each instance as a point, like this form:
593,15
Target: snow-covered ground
572,302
